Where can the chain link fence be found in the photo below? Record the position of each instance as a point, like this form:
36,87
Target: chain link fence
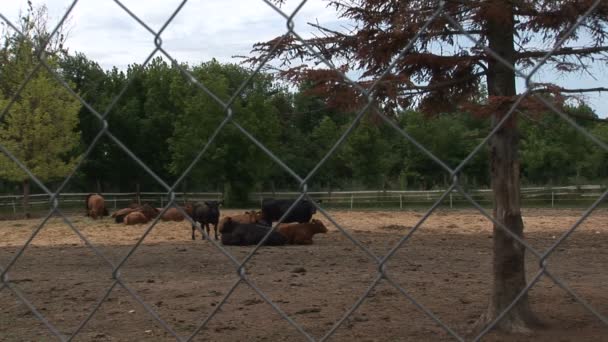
240,266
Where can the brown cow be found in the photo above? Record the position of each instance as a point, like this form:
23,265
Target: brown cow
136,217
172,214
247,217
119,215
301,233
145,209
149,211
95,206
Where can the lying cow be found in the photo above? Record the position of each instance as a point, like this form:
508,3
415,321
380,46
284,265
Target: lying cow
146,209
274,209
205,213
301,233
247,217
172,214
95,205
136,217
244,234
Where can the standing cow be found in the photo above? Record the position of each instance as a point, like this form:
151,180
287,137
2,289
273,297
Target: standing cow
95,206
273,209
205,213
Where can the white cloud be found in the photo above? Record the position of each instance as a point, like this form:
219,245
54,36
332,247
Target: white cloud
206,29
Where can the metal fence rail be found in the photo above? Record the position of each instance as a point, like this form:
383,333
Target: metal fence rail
240,266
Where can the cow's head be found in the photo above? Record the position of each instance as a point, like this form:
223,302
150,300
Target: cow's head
319,226
227,225
214,209
214,204
188,208
257,216
222,222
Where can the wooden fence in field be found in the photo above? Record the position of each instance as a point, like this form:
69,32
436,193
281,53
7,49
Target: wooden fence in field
543,197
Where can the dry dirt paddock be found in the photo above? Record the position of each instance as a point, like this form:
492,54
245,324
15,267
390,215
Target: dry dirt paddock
445,265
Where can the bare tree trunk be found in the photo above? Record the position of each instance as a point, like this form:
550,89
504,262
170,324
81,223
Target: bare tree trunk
26,198
509,276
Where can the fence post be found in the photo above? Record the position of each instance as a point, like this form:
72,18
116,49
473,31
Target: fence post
351,201
400,201
161,201
114,202
14,207
451,200
552,198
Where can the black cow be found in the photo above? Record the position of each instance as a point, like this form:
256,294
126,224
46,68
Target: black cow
244,234
273,209
205,213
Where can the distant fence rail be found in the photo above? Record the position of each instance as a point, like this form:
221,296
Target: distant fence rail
563,196
70,202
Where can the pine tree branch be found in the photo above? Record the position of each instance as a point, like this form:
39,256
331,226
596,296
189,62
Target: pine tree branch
417,89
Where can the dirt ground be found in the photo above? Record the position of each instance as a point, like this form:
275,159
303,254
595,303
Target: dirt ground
445,266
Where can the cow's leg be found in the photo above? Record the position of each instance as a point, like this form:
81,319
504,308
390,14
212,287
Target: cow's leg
207,229
193,229
215,230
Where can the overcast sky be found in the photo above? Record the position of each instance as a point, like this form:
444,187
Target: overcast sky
220,29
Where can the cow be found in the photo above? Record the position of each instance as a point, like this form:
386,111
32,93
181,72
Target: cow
135,217
244,234
205,213
172,214
95,206
146,209
149,211
273,209
301,233
119,215
247,217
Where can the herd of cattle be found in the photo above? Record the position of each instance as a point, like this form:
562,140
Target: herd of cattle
249,228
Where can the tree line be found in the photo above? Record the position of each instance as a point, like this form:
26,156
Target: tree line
163,118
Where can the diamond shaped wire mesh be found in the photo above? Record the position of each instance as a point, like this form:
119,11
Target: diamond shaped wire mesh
230,117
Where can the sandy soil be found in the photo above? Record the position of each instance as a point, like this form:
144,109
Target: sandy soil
445,265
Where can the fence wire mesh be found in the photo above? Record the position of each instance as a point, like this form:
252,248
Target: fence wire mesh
303,181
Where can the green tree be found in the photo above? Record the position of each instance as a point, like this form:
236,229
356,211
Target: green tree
232,163
337,169
40,127
554,152
94,86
